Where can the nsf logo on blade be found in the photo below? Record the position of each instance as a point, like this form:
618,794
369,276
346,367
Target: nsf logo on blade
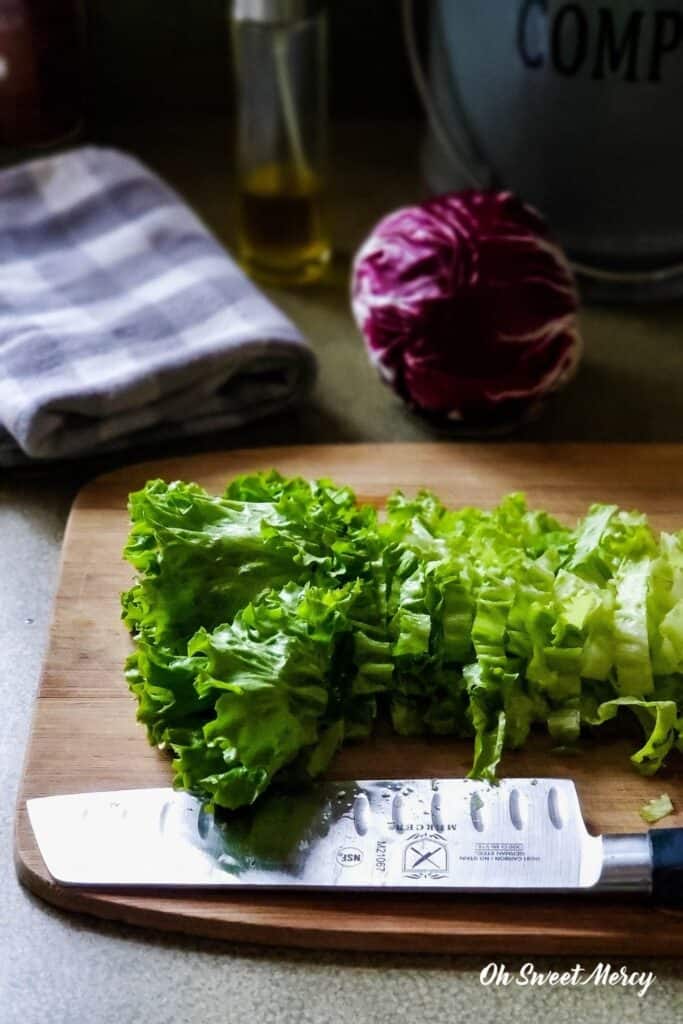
426,857
349,856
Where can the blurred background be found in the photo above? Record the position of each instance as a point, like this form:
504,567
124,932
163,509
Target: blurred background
156,79
158,83
149,56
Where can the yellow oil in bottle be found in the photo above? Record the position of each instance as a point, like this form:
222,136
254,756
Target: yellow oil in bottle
282,237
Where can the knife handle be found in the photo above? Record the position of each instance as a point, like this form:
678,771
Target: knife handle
667,865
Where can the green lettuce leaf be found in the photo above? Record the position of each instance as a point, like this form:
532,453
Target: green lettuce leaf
268,675
657,808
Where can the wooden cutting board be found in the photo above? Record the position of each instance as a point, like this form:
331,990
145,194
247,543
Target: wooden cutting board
85,736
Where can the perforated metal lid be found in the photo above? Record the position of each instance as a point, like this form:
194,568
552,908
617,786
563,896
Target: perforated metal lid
275,11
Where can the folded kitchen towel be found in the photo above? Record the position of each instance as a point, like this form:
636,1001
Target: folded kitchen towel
122,320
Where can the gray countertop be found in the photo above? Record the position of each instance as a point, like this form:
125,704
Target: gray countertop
58,968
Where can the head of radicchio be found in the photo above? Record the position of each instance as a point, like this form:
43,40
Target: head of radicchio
468,307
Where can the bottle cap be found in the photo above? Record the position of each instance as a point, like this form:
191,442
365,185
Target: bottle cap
275,12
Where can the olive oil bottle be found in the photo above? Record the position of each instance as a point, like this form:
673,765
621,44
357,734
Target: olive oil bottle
280,64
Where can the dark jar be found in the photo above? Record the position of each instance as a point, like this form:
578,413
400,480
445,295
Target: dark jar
41,72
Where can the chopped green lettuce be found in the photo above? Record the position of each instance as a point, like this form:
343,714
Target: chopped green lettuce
281,619
657,808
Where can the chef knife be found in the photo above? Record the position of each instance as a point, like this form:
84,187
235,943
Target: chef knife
421,834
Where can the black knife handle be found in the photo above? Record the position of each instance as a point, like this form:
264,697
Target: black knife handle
667,865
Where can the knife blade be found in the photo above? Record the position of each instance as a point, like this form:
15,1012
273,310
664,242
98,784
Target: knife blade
418,834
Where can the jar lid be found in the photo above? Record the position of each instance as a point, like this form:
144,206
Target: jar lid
275,11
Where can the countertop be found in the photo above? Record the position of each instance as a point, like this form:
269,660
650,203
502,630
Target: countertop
58,968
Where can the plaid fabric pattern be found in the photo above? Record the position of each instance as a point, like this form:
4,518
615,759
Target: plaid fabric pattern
122,320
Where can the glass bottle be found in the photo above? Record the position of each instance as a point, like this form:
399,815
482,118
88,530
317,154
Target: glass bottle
280,58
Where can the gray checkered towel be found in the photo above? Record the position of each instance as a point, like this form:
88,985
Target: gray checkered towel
122,320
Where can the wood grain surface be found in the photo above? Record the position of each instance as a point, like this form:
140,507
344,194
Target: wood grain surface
85,736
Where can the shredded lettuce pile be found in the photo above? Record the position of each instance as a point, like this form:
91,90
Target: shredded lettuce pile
278,621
